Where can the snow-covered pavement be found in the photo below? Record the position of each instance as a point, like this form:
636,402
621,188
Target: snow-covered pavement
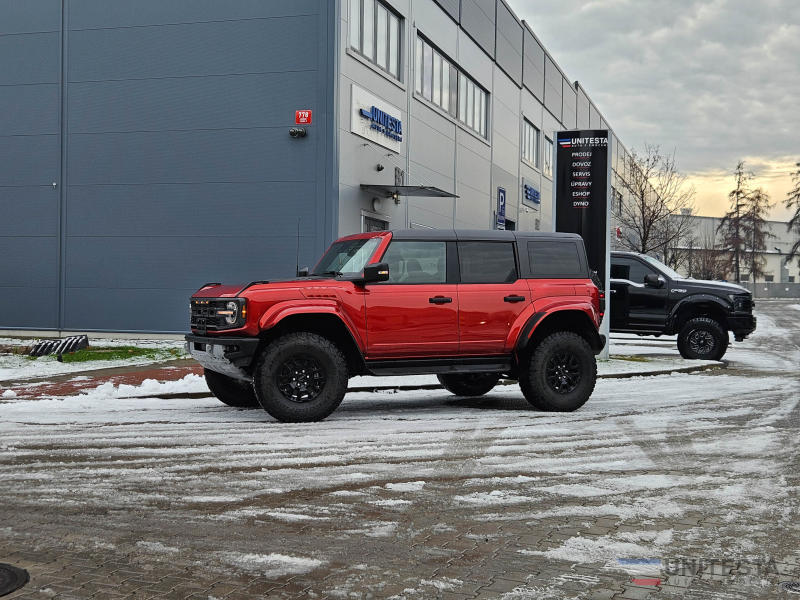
417,494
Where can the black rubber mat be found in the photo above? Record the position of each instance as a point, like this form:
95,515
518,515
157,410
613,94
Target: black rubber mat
11,578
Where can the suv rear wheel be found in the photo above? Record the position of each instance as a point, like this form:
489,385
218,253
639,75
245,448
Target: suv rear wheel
702,338
230,391
560,374
300,377
469,384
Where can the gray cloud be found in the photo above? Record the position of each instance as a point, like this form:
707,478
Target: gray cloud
718,80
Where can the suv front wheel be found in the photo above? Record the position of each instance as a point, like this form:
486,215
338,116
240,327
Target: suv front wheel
702,338
300,377
469,384
560,374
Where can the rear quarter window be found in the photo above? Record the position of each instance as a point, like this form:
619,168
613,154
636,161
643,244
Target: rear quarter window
555,260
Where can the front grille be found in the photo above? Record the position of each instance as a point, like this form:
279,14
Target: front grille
204,314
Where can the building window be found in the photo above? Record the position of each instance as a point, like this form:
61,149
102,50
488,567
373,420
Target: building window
791,278
375,33
370,224
531,139
769,278
441,82
548,157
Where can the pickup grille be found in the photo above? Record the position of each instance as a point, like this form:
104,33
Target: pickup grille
744,303
203,314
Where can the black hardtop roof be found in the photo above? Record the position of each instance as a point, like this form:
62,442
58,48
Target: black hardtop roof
489,235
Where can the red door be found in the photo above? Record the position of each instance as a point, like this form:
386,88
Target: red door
490,296
415,313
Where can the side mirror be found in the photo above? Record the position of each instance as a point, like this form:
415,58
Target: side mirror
375,273
302,272
653,280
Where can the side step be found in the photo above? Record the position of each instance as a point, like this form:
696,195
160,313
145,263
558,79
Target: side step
436,366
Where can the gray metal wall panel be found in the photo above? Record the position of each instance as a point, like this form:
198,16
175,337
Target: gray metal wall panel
583,109
30,109
95,14
28,211
552,87
29,159
201,210
509,43
180,165
229,155
569,104
190,50
477,19
29,58
248,102
30,155
451,7
533,65
30,16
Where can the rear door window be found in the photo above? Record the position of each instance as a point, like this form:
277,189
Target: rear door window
555,260
487,262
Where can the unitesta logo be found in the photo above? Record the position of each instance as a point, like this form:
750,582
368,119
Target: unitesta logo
583,142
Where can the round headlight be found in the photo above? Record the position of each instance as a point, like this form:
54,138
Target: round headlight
231,318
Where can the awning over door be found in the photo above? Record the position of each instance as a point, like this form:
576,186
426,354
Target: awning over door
395,191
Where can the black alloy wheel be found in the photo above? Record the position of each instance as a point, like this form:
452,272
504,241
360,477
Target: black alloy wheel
560,374
300,378
563,372
702,338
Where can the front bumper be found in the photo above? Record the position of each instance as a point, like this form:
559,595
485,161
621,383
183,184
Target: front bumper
229,356
742,325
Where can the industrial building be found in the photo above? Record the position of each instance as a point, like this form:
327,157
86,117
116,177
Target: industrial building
150,147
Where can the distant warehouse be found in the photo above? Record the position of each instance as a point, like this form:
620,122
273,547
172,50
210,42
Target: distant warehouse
149,147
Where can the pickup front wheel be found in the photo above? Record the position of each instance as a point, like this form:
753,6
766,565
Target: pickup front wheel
469,384
230,391
702,338
560,374
300,377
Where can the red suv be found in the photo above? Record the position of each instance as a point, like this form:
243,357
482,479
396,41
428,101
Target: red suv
468,306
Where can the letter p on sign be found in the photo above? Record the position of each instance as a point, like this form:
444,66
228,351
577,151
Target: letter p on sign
302,117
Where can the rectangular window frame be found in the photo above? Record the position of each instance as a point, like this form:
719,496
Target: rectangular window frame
547,162
531,144
460,245
467,102
393,24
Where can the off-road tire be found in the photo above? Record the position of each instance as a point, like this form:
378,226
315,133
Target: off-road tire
281,356
713,342
469,384
540,374
230,391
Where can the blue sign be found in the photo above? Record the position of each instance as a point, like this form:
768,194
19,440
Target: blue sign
388,125
501,208
531,194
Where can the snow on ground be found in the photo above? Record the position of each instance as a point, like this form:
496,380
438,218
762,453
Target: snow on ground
646,452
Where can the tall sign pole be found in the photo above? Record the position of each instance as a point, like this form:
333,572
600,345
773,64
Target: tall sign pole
581,203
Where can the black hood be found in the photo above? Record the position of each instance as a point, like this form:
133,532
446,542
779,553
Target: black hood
719,287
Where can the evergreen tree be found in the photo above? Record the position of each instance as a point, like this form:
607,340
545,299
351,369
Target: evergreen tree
793,203
757,205
732,225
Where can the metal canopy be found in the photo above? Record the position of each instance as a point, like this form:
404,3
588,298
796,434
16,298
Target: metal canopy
390,191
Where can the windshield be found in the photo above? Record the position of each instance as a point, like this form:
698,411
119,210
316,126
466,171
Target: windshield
672,274
347,257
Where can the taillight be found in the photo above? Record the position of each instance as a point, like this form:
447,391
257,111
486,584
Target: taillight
602,303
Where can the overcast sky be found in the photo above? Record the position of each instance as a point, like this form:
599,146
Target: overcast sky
716,80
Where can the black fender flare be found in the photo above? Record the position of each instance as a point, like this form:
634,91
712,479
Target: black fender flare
726,307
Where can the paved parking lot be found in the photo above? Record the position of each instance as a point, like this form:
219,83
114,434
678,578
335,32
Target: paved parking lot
688,479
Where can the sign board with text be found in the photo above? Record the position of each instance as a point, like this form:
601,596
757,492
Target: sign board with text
501,209
373,118
581,194
302,117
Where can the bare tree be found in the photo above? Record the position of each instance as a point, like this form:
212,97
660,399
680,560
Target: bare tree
658,193
710,261
732,225
793,203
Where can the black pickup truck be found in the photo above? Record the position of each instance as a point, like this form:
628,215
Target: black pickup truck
649,298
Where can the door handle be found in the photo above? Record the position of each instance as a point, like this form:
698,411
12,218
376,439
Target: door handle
514,299
440,300
613,291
